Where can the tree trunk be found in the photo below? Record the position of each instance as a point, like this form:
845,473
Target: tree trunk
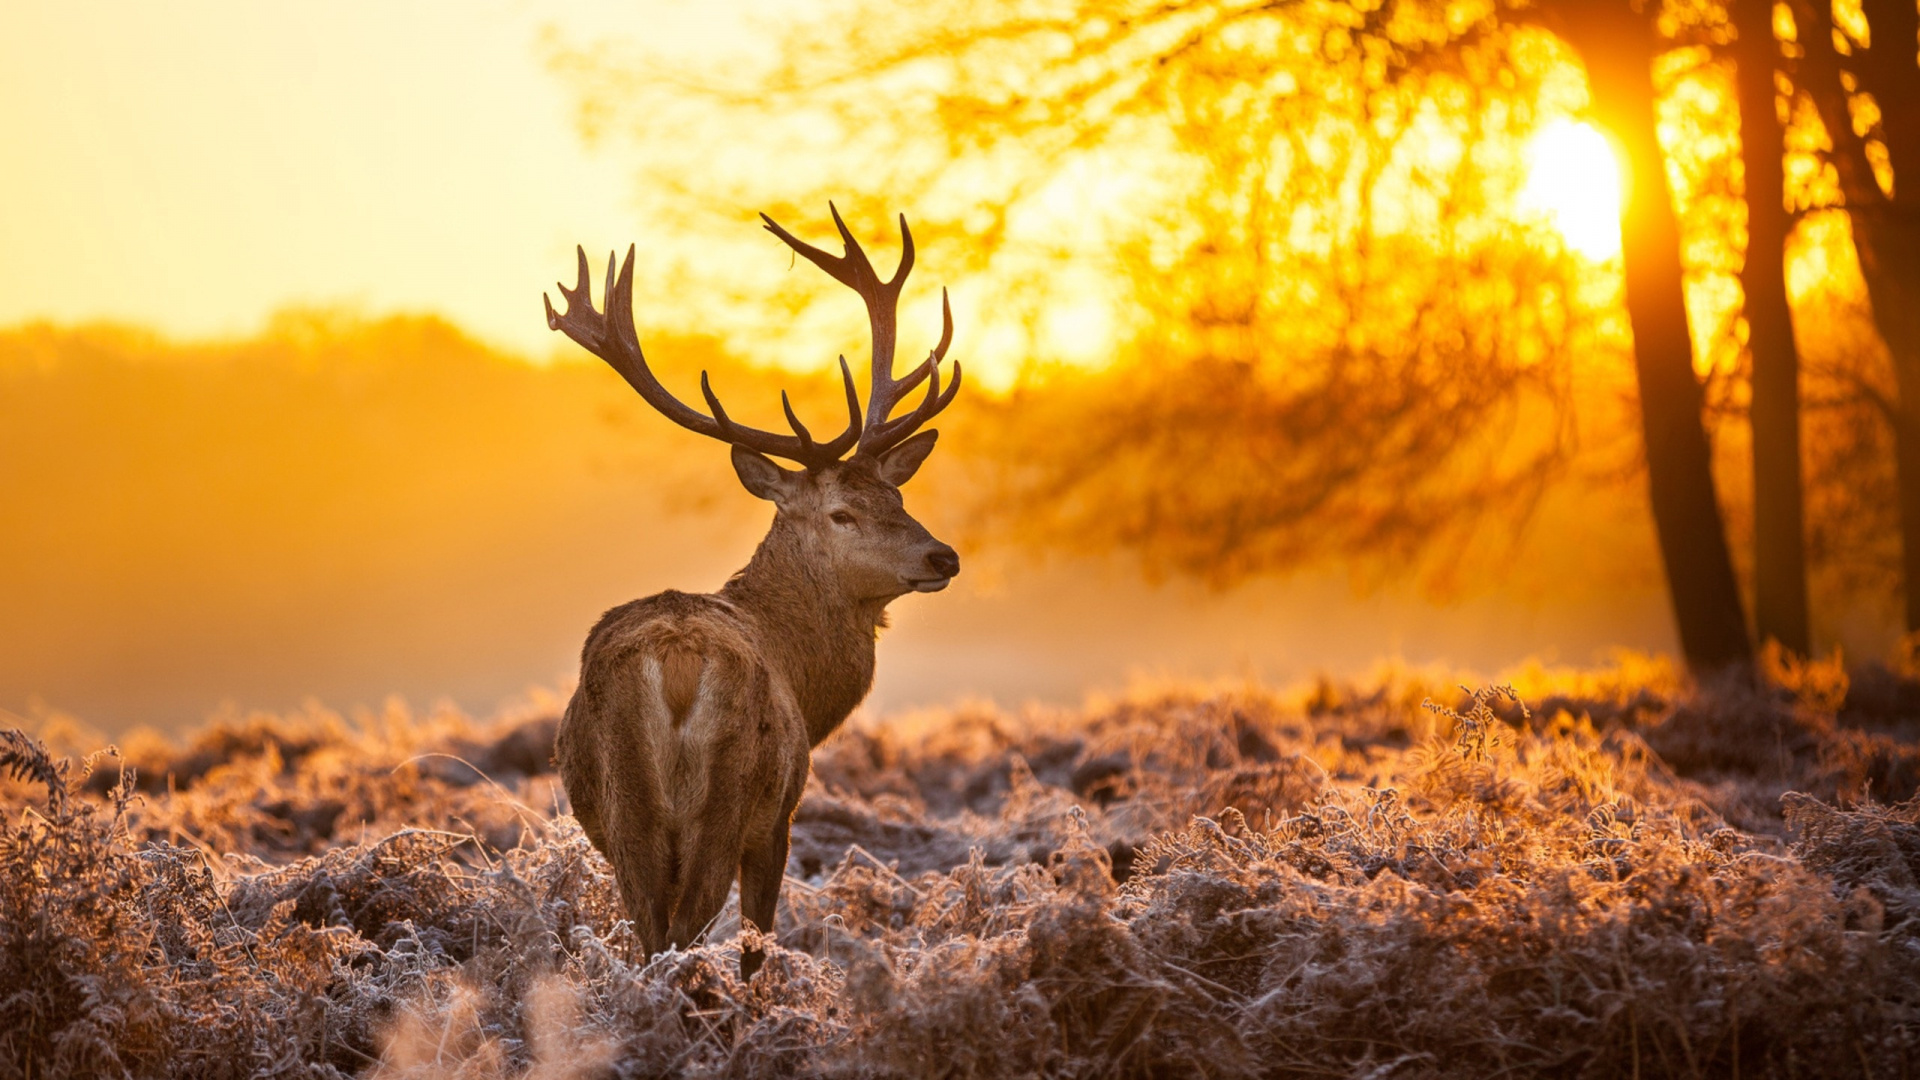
1889,251
1779,536
1618,46
1886,226
1890,73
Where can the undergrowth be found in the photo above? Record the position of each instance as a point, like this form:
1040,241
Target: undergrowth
1624,876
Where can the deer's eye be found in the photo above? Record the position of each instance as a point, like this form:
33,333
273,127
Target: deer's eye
841,517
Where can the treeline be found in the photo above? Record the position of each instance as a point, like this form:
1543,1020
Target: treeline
326,505
1336,340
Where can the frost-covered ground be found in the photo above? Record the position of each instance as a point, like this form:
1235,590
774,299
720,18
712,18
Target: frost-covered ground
1629,876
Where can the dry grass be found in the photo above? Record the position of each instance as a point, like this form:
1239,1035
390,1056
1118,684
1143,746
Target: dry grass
1633,877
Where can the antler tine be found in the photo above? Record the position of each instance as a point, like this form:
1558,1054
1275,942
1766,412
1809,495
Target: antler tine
793,421
845,441
893,432
946,329
856,271
611,336
884,436
906,254
905,384
842,268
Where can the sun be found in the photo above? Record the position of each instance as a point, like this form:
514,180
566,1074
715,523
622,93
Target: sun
1573,179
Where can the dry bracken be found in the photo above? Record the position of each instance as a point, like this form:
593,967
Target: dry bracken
1627,874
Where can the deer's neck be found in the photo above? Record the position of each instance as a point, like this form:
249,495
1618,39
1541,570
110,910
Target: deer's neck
812,632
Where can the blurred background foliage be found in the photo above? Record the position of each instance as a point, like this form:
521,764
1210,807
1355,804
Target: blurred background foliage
1270,280
1289,309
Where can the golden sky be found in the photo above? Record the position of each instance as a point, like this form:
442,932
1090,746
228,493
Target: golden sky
193,166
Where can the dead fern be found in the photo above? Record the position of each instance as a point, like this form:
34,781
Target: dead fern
1224,884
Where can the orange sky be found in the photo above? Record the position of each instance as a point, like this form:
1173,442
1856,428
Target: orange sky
193,166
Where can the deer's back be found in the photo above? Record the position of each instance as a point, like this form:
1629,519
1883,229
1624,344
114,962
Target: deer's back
676,707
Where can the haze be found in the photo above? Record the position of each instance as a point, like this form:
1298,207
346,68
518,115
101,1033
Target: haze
192,170
193,167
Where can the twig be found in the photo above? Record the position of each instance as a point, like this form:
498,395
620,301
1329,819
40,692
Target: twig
856,849
521,808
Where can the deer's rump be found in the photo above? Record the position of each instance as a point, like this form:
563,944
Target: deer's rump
678,753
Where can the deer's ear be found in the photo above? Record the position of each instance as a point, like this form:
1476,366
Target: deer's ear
760,475
898,465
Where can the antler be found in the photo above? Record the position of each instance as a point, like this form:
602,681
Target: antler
610,335
882,299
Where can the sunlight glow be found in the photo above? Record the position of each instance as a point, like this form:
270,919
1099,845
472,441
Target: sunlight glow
1573,179
1080,331
371,174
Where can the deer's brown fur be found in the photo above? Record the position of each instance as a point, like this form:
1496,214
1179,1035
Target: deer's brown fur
685,748
678,799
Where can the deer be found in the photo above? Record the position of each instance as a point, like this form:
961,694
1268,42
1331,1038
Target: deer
687,743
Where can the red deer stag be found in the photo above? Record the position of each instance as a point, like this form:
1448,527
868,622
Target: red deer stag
685,749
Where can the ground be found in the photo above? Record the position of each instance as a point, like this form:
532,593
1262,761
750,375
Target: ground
1599,873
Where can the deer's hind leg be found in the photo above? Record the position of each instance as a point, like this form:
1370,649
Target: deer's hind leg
643,868
709,855
744,791
708,817
762,869
592,753
631,818
763,865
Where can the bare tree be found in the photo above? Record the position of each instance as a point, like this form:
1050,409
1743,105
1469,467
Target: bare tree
1322,265
1779,529
1869,102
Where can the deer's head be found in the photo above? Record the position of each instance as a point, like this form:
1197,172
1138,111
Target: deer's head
845,511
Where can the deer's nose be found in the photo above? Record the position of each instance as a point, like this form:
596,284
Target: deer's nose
944,561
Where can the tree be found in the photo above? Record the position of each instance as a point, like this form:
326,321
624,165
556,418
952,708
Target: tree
1335,337
1619,45
1779,530
1869,102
